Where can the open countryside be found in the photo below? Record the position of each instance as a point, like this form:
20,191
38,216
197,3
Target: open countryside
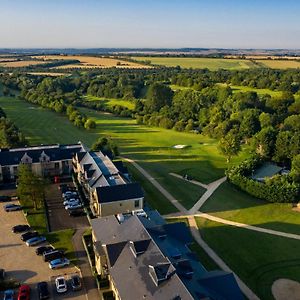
218,63
150,150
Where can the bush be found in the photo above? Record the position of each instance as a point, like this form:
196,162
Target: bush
279,188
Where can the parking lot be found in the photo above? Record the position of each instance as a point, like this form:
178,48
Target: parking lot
21,262
58,217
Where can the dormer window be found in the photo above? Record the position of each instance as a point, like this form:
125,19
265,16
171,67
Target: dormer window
139,247
159,272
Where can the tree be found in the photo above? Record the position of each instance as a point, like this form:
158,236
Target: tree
106,144
158,96
264,142
30,186
89,124
295,172
230,145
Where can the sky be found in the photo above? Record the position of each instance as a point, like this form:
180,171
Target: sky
150,23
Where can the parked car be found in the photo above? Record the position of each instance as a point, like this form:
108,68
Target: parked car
24,292
48,256
76,212
59,263
28,235
35,240
43,249
76,283
61,285
71,201
2,274
73,206
5,198
8,295
43,291
20,228
12,207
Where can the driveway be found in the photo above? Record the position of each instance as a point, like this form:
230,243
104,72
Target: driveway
20,261
59,218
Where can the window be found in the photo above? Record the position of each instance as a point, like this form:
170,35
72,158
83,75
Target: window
56,165
137,203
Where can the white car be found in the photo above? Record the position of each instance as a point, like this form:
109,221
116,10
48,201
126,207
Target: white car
73,206
71,201
69,193
61,285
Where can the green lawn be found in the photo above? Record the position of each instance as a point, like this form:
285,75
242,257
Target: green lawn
42,126
155,199
151,147
241,88
199,63
110,102
257,258
62,240
232,204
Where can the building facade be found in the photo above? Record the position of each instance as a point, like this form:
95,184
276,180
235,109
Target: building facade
106,184
44,160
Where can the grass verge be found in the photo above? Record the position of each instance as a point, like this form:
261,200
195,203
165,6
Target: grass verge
230,203
257,258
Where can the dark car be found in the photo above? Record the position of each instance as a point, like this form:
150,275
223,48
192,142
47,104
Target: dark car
76,283
53,255
24,292
28,235
43,249
5,198
43,291
76,212
20,228
12,207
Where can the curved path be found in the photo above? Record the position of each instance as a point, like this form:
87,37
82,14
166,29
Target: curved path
194,230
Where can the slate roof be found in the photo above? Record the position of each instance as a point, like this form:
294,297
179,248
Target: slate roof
226,283
120,192
154,273
55,153
130,273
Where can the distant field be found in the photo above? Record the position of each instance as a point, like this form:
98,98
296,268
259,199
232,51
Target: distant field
20,63
110,102
48,73
280,64
199,63
87,62
242,88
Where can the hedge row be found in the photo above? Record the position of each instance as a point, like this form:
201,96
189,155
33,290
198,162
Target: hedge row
279,188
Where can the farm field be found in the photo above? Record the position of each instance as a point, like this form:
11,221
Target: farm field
110,102
259,259
199,63
229,203
92,62
242,88
279,64
21,63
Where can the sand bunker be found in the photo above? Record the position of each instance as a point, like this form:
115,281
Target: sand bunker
180,146
286,289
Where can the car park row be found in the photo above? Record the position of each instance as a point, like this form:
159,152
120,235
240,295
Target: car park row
54,257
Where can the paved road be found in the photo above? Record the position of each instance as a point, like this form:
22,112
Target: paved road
20,261
83,263
58,217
